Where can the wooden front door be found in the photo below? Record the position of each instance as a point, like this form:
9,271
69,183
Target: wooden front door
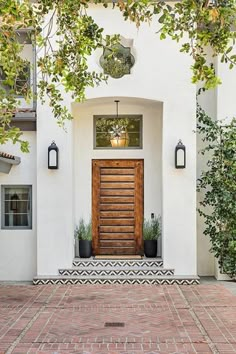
117,207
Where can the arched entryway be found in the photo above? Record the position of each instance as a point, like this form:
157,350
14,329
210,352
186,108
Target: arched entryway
145,185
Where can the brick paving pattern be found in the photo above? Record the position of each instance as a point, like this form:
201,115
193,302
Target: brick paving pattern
157,319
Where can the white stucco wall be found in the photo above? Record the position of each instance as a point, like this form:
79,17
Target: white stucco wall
161,74
55,218
18,253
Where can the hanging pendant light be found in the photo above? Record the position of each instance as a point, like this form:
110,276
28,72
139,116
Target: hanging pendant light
119,134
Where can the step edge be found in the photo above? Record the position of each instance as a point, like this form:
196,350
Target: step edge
117,259
116,268
184,277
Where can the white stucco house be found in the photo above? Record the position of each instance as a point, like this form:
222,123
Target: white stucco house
40,207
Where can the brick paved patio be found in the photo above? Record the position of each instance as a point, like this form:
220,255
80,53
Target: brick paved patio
157,319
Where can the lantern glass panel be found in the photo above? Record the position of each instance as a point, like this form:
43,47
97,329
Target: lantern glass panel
180,157
52,158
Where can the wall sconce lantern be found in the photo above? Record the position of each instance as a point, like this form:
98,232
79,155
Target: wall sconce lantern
180,155
53,153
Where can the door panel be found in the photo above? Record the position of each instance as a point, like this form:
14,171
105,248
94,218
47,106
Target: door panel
116,222
115,229
117,200
117,171
117,178
117,214
115,243
118,193
120,207
116,185
120,236
117,206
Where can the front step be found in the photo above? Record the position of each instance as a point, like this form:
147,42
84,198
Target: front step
151,280
91,262
116,271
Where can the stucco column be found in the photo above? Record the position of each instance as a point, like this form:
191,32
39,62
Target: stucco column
55,219
226,92
179,187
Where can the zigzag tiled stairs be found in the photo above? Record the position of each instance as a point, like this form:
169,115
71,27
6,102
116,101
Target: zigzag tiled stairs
94,271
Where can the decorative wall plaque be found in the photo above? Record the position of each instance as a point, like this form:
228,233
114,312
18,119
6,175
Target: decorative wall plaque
117,61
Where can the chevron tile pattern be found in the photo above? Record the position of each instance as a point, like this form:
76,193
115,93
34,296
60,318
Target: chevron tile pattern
144,263
115,272
152,281
121,271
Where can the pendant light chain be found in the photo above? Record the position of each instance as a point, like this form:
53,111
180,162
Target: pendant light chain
117,103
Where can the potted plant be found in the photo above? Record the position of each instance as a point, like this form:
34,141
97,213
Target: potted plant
83,233
151,232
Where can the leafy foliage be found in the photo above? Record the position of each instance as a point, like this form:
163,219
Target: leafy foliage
14,15
105,124
196,24
66,36
152,228
84,230
218,206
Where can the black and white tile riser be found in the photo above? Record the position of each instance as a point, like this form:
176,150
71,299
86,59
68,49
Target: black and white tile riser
94,271
116,281
120,263
115,272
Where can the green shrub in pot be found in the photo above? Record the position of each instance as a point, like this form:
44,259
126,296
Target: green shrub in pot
151,232
83,233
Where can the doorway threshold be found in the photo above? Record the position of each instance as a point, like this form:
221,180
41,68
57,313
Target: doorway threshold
118,257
